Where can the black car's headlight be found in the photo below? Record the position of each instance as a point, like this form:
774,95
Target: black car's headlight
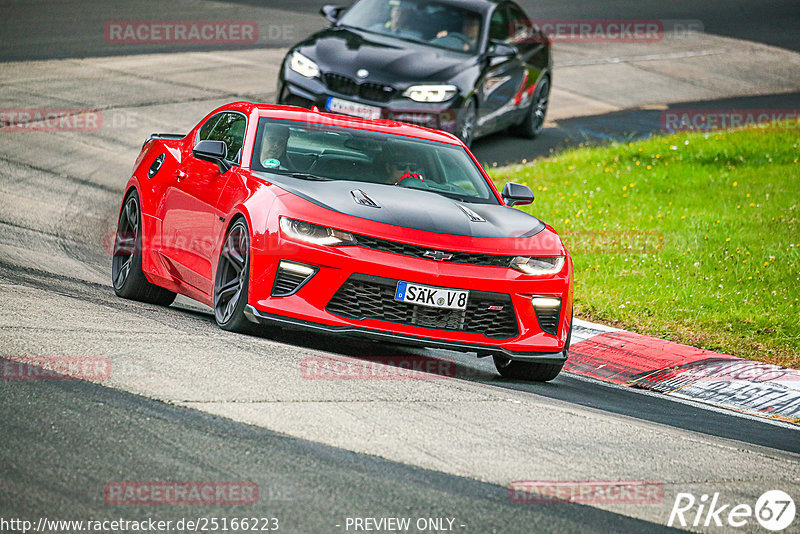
303,66
315,234
431,93
538,265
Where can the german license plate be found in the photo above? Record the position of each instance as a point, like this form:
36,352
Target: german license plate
433,297
338,105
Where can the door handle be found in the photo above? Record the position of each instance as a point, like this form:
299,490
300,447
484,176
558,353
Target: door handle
180,175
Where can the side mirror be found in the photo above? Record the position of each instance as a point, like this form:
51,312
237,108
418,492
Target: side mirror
213,151
499,49
517,194
332,13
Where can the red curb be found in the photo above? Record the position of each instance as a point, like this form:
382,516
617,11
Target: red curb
621,356
662,366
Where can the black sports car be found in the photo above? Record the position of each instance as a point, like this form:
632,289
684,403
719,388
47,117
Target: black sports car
470,67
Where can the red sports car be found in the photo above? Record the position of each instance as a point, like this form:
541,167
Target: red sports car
305,220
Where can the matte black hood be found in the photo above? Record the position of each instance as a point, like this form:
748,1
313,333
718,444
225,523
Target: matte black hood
345,50
411,208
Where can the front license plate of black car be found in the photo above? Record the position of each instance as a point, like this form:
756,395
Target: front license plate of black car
355,109
433,297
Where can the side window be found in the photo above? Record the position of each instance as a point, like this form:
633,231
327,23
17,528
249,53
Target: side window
207,127
499,24
228,128
519,25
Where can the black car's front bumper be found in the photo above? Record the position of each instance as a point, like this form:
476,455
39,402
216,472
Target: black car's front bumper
297,90
289,323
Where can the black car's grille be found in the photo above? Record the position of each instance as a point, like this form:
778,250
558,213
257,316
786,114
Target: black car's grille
349,87
405,249
369,297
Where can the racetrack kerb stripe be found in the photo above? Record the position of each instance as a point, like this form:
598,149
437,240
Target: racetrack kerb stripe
634,360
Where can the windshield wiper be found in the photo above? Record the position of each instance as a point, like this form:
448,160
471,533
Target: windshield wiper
303,175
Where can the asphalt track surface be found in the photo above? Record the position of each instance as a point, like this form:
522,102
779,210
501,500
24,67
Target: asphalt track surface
60,442
60,461
74,28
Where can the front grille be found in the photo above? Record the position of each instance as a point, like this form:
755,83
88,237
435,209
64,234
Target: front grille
405,249
349,87
548,319
368,297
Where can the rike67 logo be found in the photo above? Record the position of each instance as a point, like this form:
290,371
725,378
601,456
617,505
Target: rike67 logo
774,510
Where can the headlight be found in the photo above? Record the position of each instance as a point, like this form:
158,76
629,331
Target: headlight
539,265
317,235
430,93
302,65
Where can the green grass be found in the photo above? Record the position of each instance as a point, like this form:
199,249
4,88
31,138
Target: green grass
691,237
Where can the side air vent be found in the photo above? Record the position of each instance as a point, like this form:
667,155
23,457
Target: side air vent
154,168
547,311
291,277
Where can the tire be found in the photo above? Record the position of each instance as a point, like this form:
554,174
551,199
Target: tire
534,372
127,276
232,281
531,371
533,123
466,126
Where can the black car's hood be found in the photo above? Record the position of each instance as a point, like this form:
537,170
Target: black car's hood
390,60
411,208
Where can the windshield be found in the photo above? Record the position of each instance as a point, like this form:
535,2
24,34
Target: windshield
324,152
418,20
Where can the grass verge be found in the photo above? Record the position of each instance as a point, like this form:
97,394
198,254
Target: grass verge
690,237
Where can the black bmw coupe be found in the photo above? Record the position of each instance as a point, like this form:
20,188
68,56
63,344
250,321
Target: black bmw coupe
469,67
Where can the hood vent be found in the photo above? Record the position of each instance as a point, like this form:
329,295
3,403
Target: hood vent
473,217
361,198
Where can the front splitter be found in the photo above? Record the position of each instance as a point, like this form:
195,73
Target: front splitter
259,317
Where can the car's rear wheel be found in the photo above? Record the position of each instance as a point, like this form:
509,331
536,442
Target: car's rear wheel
126,263
535,372
233,278
533,123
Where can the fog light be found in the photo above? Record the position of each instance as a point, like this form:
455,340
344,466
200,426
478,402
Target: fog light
546,302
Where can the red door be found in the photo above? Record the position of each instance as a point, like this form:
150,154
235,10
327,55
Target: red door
192,221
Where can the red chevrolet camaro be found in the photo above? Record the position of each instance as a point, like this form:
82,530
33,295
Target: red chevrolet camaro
304,220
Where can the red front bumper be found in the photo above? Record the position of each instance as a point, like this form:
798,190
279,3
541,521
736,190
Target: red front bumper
307,307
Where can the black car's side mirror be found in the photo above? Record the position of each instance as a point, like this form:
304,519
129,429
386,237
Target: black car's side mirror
517,194
331,12
499,49
213,151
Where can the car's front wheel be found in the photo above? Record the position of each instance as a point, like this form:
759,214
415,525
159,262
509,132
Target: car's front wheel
232,280
533,123
126,264
466,123
535,372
